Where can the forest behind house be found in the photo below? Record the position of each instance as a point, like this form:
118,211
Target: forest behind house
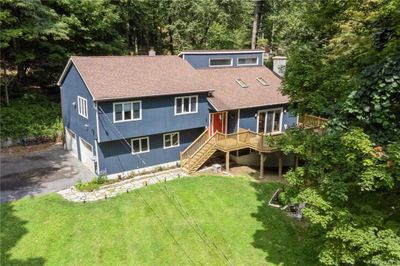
343,64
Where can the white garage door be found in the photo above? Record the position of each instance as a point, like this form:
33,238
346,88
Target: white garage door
70,142
86,154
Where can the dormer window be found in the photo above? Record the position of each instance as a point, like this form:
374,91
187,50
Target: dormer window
247,61
262,81
241,83
220,62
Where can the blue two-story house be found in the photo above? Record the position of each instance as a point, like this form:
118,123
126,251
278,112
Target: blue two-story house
124,113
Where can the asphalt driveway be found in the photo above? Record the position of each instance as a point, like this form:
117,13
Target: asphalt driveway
40,172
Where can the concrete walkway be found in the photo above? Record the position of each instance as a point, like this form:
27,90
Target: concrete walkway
40,172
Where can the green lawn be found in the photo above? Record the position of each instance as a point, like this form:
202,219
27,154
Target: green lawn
231,211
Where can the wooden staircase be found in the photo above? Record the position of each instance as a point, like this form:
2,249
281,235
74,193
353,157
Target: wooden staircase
194,156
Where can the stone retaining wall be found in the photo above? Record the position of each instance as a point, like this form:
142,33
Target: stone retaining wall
112,190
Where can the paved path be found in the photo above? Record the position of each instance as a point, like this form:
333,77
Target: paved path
40,172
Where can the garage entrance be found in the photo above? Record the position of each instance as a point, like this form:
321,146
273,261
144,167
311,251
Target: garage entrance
86,154
70,142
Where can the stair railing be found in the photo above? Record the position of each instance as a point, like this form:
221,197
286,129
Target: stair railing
194,146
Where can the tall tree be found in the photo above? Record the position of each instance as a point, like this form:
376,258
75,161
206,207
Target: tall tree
344,65
256,23
28,27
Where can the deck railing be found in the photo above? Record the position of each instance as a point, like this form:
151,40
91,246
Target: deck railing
242,139
311,121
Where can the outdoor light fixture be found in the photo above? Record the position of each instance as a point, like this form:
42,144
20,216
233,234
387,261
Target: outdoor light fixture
255,116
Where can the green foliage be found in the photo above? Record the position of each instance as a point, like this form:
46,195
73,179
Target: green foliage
96,183
375,104
30,116
351,188
344,64
37,37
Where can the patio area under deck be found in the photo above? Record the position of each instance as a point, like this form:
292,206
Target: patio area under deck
247,139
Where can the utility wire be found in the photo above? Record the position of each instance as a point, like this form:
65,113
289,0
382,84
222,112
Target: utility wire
196,227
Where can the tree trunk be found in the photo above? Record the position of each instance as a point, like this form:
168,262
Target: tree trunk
129,37
255,24
171,40
136,44
6,81
20,72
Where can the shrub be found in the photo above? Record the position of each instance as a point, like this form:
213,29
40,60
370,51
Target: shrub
30,116
96,183
101,179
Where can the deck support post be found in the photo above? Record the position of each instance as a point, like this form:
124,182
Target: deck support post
262,159
296,161
227,161
280,164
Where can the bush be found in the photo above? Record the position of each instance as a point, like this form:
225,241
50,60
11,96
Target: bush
96,183
30,116
287,196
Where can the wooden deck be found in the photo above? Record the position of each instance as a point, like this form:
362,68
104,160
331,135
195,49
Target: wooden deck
197,153
243,139
204,146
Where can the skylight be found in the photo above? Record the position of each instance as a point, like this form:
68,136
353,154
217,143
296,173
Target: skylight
241,83
262,81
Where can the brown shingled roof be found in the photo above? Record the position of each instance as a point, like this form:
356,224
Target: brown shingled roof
233,51
118,77
228,94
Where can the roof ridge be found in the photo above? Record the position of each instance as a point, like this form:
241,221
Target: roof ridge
116,56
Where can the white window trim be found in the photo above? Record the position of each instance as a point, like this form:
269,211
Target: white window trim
172,146
190,104
251,64
85,107
265,124
227,58
140,145
127,120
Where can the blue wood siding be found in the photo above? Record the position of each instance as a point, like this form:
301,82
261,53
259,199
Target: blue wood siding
232,121
115,156
202,60
71,88
248,120
158,116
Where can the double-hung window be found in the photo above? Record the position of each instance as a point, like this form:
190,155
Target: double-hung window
171,140
82,107
140,145
186,105
127,111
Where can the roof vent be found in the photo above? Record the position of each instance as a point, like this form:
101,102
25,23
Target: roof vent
152,52
241,83
262,81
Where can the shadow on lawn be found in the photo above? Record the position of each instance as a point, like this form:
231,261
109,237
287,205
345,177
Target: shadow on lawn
284,240
12,229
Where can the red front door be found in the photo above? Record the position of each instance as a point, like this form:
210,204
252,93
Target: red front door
218,122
